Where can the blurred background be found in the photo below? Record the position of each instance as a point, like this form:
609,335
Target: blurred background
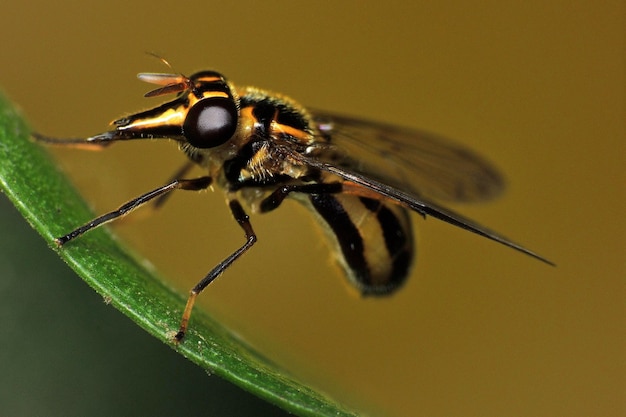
536,87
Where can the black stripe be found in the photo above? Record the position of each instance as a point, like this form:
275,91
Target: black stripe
289,117
393,232
397,241
395,238
263,112
370,204
214,86
401,265
347,234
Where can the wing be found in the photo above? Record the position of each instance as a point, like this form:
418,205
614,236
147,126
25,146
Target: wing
360,183
422,163
409,168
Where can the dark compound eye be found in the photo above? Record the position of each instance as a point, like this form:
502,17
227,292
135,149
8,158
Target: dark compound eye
210,122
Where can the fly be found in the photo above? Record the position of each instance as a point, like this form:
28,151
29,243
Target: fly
360,178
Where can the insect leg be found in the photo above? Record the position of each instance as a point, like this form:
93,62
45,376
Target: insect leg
195,184
182,171
244,222
95,143
276,198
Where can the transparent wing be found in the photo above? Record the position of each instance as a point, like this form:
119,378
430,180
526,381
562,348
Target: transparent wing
358,183
421,163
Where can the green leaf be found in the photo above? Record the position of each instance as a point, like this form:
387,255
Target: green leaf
52,207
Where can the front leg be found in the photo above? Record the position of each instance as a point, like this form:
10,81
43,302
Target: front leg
244,222
195,184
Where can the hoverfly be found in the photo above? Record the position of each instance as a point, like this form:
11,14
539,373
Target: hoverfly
360,178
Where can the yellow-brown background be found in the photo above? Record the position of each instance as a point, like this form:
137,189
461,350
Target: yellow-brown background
479,329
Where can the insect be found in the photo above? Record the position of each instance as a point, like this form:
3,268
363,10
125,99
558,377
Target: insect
360,178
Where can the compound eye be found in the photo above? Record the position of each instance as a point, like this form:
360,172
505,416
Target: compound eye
210,122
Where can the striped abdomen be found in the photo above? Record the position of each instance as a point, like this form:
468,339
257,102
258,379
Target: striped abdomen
374,240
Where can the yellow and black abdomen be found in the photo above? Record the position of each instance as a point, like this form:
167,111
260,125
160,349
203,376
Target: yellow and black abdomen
374,239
